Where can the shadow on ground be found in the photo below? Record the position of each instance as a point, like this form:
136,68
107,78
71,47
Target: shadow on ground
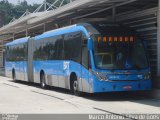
141,97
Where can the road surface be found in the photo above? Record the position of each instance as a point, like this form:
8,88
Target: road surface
25,98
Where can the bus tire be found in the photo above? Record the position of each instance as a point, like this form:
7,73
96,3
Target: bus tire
42,79
13,75
74,86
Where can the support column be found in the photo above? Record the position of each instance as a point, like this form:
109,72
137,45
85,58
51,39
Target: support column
3,53
45,5
13,36
158,39
44,27
70,21
26,32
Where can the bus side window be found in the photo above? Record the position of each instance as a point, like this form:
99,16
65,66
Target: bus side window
7,53
85,57
72,47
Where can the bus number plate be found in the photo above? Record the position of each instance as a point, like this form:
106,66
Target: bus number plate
127,87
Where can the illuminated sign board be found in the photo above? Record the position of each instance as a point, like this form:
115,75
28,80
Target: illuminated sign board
115,39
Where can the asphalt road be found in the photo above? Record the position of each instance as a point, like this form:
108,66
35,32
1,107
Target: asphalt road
26,98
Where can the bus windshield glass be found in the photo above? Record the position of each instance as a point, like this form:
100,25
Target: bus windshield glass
119,52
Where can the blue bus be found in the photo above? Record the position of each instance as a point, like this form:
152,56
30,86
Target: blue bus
83,58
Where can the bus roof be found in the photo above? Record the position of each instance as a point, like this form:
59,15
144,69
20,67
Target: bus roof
73,28
18,41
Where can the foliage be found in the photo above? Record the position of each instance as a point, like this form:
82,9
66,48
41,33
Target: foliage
15,11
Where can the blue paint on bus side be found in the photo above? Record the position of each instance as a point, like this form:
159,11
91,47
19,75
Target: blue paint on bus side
56,67
18,66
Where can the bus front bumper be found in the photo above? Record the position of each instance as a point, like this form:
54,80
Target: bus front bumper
104,86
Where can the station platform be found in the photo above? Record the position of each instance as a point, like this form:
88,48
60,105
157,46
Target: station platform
155,93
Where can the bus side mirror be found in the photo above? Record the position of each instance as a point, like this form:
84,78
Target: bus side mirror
90,44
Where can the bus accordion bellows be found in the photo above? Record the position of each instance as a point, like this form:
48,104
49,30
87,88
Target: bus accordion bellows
83,58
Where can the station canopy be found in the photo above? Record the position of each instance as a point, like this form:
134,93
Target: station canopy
79,10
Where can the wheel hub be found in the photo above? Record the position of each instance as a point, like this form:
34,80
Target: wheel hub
75,86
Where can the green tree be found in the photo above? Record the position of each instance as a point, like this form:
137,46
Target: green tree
16,11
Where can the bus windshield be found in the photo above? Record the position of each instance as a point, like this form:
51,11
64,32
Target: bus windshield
119,52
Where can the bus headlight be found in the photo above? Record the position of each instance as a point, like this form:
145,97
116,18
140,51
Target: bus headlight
147,76
101,76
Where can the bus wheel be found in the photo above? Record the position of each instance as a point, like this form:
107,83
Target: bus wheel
13,75
75,88
43,83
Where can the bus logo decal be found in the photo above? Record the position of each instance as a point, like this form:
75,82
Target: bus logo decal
66,65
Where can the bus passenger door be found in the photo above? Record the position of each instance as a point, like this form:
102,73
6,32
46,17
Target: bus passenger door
29,71
25,61
59,68
85,69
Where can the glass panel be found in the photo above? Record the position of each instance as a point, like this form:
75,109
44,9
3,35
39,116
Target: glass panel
119,54
85,56
16,52
72,46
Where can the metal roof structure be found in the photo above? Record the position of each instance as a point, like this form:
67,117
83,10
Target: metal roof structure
20,23
75,10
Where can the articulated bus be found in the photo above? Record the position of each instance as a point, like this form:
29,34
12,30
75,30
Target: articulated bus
83,58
